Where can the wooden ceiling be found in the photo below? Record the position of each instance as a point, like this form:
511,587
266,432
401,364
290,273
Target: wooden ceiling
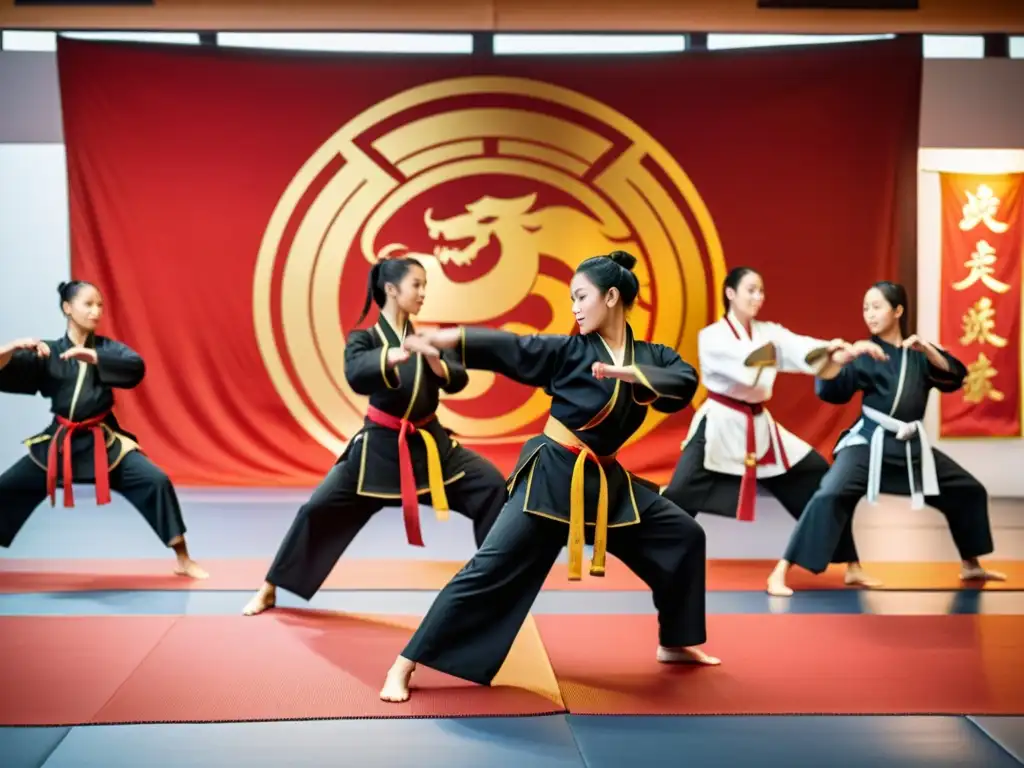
737,16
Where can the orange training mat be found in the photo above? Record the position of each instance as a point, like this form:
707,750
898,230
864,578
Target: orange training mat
793,664
18,575
281,666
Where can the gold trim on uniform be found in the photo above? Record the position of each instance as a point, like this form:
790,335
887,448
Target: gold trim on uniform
384,362
434,479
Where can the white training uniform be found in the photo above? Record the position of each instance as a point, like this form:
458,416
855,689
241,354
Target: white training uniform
722,349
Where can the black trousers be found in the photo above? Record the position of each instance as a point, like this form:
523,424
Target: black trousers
697,489
474,620
139,480
963,501
327,524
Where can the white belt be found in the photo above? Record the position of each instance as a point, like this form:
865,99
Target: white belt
904,431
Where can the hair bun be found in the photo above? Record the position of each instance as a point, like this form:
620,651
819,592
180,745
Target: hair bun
625,260
61,288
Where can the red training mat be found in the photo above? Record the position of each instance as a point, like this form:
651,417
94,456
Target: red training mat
41,575
284,665
793,664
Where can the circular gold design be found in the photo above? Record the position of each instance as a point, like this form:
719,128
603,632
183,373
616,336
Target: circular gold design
624,185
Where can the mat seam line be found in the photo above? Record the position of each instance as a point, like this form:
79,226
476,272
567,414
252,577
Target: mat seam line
575,741
970,719
173,624
550,664
46,759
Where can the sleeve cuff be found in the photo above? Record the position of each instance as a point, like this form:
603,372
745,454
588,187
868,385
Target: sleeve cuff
384,369
644,381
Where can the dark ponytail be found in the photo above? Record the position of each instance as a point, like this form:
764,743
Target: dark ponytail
733,280
68,291
613,271
896,296
384,272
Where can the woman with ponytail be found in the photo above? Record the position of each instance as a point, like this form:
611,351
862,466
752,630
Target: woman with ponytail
401,455
887,450
568,485
78,374
734,444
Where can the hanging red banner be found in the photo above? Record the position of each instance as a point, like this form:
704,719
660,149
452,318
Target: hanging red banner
980,303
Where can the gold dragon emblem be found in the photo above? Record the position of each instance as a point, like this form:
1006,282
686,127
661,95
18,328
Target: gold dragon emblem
500,203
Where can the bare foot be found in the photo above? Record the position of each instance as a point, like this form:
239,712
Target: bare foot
777,586
855,576
686,656
977,573
261,601
190,568
777,582
396,684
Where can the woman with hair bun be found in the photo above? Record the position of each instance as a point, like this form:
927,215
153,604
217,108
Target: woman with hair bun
84,443
601,383
401,454
887,450
734,444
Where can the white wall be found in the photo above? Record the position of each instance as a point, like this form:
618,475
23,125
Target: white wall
965,104
33,260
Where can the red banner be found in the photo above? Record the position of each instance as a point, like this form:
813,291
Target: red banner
231,202
980,303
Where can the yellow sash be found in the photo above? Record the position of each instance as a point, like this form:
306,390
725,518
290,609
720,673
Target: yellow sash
435,476
565,437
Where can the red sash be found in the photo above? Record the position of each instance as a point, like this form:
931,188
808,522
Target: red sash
748,486
407,478
65,431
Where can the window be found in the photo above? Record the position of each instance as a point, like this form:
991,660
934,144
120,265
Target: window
505,44
33,40
354,42
954,47
1017,47
717,42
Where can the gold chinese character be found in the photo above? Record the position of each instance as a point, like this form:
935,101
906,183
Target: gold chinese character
978,384
978,323
980,266
982,207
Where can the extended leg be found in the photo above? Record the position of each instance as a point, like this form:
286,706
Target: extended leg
795,489
693,488
150,491
964,503
667,549
480,494
829,512
321,532
22,489
469,629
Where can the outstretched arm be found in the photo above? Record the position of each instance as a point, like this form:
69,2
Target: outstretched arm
531,360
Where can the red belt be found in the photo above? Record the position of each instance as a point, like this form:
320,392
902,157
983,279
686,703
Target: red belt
63,435
407,478
748,486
